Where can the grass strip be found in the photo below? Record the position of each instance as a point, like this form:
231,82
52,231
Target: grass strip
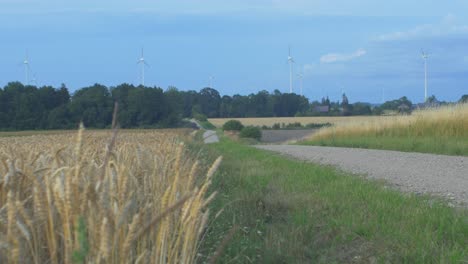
456,146
295,212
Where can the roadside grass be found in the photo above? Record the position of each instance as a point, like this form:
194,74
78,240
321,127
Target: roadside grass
295,212
442,130
437,145
207,125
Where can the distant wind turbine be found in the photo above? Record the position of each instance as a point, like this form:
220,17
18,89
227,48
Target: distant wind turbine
34,80
143,63
301,77
291,62
425,56
26,68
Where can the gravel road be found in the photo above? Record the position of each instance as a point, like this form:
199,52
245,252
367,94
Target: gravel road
210,137
279,136
445,176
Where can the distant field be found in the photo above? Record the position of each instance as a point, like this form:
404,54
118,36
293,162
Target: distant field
60,132
442,130
33,132
269,121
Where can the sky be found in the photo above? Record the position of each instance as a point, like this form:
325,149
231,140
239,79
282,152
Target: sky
368,49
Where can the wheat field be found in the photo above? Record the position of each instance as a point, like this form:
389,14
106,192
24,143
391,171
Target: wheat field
90,197
270,121
448,121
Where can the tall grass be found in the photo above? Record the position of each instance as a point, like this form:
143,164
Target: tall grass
90,199
442,128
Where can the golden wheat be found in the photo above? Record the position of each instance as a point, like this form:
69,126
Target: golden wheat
74,198
449,121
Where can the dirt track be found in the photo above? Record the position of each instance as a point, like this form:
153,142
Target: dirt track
445,176
279,136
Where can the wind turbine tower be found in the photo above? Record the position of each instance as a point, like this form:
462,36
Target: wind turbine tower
26,68
301,77
143,63
291,62
425,56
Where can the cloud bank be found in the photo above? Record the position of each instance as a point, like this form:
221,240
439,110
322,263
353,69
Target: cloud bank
449,25
339,57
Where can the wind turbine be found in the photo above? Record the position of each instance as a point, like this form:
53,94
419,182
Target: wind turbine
301,77
143,63
34,80
425,56
26,68
291,62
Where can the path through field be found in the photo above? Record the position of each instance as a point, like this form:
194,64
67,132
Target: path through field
445,176
210,136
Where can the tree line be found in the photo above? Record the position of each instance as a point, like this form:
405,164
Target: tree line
30,107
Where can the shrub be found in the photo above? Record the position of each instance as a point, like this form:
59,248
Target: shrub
233,125
200,117
251,132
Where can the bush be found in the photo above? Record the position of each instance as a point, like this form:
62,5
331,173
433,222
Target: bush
233,125
251,132
200,117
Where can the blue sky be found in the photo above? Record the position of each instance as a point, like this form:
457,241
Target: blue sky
368,49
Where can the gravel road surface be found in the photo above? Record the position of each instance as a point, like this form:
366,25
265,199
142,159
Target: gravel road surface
445,176
210,137
279,136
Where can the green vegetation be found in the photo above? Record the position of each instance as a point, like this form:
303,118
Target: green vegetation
207,125
233,125
251,132
35,108
294,212
441,130
447,146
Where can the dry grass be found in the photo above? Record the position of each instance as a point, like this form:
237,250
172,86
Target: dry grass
74,198
270,121
443,122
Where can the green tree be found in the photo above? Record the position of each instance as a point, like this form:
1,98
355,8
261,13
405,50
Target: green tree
463,99
93,105
210,101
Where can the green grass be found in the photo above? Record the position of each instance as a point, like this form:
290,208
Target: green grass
207,125
294,212
438,145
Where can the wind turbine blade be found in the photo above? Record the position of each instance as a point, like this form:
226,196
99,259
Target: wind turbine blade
147,64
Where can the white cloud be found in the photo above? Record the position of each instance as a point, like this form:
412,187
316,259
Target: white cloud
339,57
447,26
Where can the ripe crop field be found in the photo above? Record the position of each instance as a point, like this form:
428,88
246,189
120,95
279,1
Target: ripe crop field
441,130
270,121
90,197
